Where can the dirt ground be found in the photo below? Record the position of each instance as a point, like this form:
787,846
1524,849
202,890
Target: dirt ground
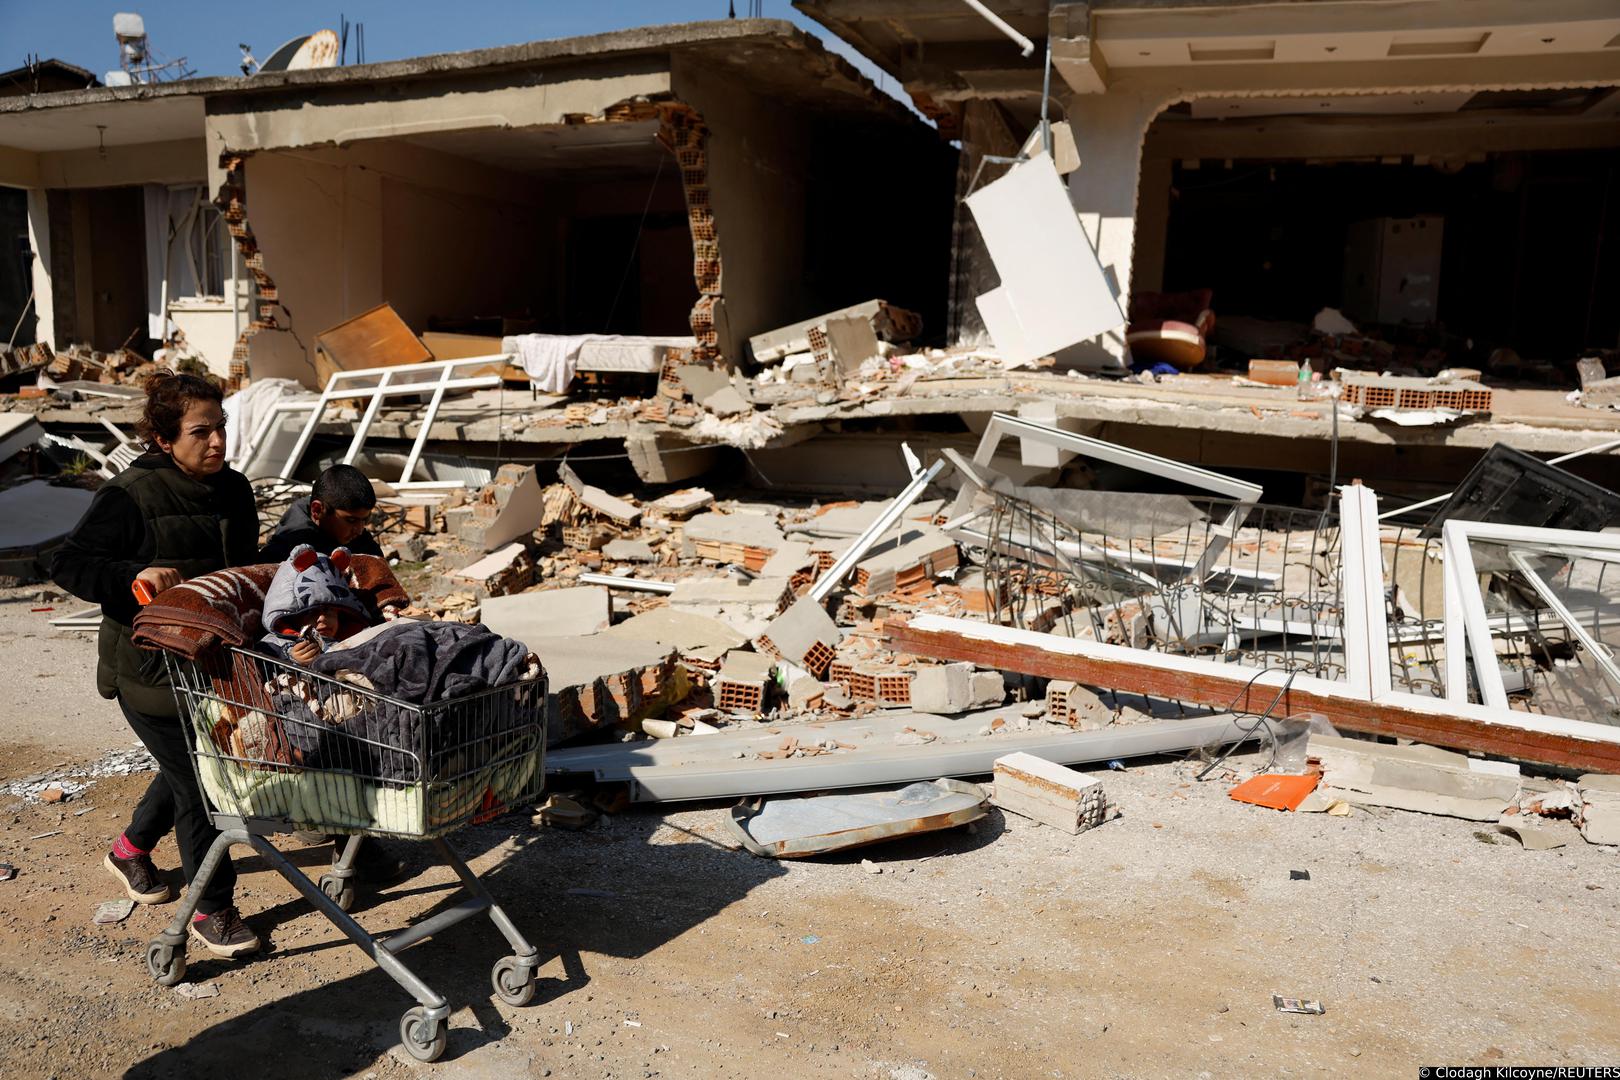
1148,947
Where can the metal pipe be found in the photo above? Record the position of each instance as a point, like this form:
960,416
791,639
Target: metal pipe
863,543
636,584
1025,46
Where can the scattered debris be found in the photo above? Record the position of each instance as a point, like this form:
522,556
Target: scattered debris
1422,778
1035,788
794,828
1297,1005
109,912
197,991
1276,791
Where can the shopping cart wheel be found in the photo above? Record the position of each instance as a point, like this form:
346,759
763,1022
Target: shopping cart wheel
338,890
424,1038
165,963
514,982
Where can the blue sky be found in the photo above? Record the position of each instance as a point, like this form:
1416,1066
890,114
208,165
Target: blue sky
206,32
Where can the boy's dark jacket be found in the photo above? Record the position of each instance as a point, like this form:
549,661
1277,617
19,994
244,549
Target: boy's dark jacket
297,527
151,514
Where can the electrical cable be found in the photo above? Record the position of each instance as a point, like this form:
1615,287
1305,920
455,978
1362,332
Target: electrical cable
1260,721
630,260
21,315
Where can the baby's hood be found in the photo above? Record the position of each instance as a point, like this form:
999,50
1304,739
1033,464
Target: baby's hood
306,581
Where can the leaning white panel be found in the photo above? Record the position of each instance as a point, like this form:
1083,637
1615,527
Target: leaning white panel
1053,290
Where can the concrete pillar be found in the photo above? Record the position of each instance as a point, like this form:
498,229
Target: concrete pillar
39,242
1108,132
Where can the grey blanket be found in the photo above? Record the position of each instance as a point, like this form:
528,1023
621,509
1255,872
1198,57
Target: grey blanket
418,664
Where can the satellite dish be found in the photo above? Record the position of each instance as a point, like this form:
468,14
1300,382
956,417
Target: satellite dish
279,59
319,50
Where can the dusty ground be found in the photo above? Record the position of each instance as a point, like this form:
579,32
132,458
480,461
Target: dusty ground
1149,947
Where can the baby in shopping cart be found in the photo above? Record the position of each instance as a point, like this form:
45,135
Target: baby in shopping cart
309,605
308,608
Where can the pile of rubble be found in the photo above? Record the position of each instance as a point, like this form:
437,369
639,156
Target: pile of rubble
729,647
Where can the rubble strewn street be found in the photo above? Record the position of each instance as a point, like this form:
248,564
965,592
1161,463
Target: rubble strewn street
905,540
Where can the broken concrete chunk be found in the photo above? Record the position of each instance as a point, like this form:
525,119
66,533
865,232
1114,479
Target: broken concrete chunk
549,613
509,507
1051,794
747,606
684,630
683,504
1421,778
712,389
791,557
500,572
986,688
600,681
1072,704
920,552
943,688
851,341
597,500
1536,833
1600,808
744,539
629,551
804,634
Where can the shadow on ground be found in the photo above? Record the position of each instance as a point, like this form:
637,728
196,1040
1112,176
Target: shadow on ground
630,897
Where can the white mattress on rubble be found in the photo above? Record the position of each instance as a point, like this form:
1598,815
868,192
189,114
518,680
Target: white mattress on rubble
615,352
627,353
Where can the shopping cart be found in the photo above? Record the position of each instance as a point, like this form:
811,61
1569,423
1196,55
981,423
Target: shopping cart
278,748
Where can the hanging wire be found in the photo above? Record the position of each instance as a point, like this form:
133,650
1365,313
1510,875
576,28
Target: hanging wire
630,260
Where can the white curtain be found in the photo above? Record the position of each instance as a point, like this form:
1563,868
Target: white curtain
169,221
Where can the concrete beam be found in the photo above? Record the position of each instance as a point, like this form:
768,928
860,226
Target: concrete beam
909,10
1350,23
1432,136
1243,690
1426,74
181,161
1075,57
332,116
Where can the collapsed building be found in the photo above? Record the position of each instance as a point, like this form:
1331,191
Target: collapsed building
715,251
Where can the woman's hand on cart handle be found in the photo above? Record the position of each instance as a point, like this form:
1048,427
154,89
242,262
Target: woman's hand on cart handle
153,580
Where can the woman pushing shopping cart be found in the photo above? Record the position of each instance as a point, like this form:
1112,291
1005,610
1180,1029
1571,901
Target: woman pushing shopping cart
406,730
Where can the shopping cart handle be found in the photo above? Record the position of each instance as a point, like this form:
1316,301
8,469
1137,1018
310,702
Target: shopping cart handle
143,592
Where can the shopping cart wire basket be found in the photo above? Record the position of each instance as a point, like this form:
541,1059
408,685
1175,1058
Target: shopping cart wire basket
278,748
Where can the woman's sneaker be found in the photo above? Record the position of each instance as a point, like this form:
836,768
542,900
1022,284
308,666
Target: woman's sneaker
225,934
139,878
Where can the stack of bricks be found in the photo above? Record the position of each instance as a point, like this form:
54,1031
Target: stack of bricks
683,132
891,686
24,358
232,203
1405,392
606,701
